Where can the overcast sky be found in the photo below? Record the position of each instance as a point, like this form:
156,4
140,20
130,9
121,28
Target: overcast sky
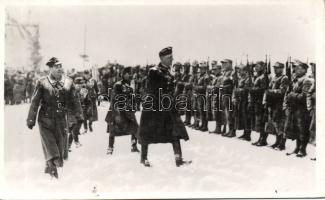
135,34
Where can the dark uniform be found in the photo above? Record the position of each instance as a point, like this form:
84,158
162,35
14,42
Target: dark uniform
274,102
194,103
227,87
8,92
161,125
256,95
213,90
53,98
111,80
296,127
30,86
92,113
240,100
137,78
121,117
74,123
201,91
311,106
184,87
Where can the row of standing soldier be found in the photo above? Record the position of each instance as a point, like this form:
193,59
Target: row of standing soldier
248,98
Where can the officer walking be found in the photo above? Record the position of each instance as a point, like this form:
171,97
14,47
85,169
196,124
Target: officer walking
54,95
158,124
121,117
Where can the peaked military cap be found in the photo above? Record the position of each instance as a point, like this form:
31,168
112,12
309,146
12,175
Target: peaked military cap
262,63
214,62
166,51
278,65
126,70
53,61
226,61
299,63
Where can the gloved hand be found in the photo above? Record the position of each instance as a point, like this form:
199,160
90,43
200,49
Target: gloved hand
30,124
118,119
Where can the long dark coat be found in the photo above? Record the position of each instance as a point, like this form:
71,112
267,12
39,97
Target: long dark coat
160,126
53,101
297,119
127,125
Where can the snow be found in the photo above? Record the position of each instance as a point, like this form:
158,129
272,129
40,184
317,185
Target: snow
222,167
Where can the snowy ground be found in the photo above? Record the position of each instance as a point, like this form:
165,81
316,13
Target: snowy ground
221,166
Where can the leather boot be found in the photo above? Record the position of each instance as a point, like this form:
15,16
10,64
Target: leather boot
282,144
204,126
258,141
277,142
263,141
134,148
144,156
302,151
298,144
217,130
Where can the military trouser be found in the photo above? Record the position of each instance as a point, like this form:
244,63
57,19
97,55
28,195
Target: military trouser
176,148
74,133
89,124
202,107
188,112
195,111
111,141
228,111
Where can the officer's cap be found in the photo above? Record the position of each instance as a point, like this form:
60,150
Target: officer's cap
262,63
78,80
53,61
203,64
242,67
216,66
226,61
166,51
187,64
278,65
126,70
214,62
178,65
299,63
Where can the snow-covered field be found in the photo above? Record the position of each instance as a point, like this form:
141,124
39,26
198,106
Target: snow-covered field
221,167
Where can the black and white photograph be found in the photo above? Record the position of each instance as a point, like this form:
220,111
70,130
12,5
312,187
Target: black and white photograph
153,99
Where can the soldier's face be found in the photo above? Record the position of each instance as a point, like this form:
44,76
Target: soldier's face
78,86
127,76
56,71
300,71
203,70
167,60
216,71
278,70
258,68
